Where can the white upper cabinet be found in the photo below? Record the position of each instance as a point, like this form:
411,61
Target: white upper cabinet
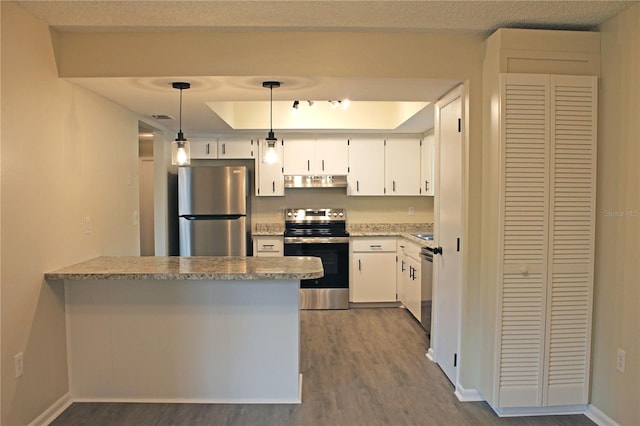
427,168
319,157
299,156
269,178
366,167
332,156
402,167
203,149
237,148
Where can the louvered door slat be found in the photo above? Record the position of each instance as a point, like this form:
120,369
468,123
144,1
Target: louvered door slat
523,240
571,213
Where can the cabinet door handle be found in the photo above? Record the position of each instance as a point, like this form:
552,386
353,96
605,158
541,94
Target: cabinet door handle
357,186
375,245
403,268
323,165
426,185
224,148
308,165
394,186
273,184
267,245
359,265
206,149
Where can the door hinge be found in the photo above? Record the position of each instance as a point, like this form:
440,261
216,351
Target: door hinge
459,125
455,360
458,245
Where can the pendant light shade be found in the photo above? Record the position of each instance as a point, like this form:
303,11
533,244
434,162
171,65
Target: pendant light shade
270,155
180,149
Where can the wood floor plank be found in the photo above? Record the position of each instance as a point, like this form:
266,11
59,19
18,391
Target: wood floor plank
360,367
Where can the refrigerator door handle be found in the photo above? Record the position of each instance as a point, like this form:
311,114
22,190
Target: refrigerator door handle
213,217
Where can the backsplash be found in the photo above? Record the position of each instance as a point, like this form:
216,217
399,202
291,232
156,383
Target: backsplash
375,210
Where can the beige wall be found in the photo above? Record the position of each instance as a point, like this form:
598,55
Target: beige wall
617,285
359,209
65,154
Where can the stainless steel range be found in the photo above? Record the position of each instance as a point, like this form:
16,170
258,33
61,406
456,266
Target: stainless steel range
321,233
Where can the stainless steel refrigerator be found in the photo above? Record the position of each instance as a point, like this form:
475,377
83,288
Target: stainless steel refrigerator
213,207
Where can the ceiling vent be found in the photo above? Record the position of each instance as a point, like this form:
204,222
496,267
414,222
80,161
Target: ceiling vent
162,117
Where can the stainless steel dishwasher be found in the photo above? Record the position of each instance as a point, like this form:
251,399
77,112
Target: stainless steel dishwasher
426,289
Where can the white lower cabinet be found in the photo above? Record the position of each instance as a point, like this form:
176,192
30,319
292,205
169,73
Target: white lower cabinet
268,246
373,277
408,276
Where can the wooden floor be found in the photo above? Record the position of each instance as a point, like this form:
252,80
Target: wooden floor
361,367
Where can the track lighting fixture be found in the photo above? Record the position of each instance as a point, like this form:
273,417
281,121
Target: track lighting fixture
270,155
180,150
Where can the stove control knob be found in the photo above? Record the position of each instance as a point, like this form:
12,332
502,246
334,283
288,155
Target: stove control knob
335,214
340,214
289,214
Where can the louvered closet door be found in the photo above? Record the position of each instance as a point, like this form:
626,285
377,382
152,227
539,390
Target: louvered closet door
524,239
572,228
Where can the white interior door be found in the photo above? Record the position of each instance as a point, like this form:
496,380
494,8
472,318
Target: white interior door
448,230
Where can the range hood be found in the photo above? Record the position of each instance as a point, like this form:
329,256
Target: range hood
311,181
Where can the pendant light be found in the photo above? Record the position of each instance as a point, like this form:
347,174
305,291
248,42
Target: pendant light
270,155
180,150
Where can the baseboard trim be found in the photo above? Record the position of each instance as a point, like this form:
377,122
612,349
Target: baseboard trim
467,395
599,417
188,401
429,355
51,413
539,411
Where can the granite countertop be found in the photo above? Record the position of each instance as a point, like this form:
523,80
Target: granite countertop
404,230
269,230
191,268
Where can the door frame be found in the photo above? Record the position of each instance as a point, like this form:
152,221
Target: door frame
459,92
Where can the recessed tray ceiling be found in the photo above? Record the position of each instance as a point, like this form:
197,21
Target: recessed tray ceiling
321,116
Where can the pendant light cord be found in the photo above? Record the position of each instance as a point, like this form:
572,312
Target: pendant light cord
271,109
180,124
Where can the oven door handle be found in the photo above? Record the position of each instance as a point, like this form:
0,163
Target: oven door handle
316,240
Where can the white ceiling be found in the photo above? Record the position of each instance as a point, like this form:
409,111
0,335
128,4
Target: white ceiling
393,15
153,95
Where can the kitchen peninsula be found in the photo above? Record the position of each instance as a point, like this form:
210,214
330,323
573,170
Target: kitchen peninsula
184,329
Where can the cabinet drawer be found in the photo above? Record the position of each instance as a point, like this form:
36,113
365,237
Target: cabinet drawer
409,249
265,246
367,244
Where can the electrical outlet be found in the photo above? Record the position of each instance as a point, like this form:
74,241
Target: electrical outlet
87,224
620,360
18,364
412,211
